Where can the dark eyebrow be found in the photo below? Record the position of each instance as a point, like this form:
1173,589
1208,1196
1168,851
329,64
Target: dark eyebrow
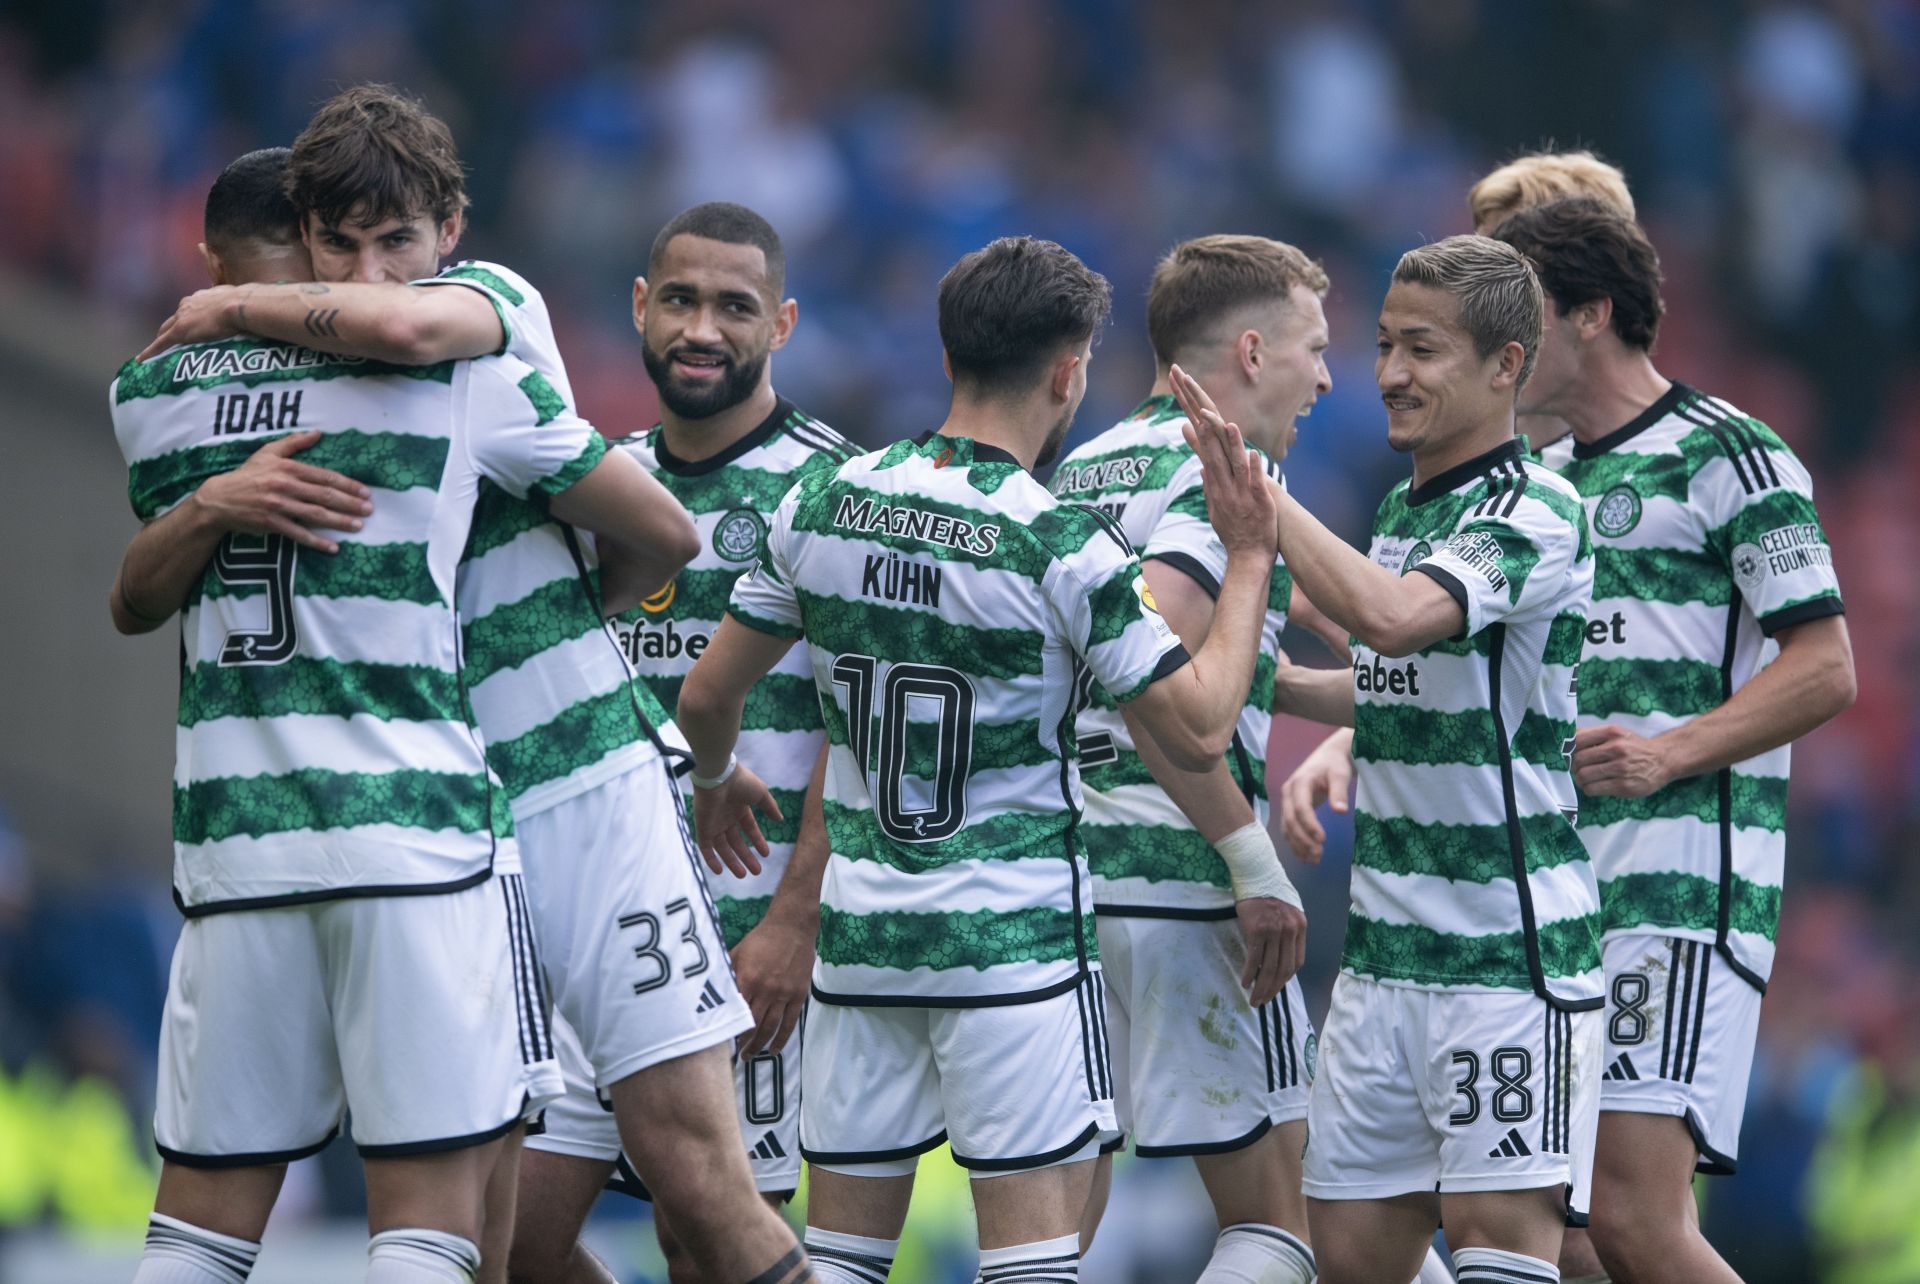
1407,331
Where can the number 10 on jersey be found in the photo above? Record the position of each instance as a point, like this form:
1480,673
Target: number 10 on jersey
923,707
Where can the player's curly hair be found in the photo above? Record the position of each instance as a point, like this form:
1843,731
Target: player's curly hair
1007,310
1203,283
372,153
1584,250
1500,297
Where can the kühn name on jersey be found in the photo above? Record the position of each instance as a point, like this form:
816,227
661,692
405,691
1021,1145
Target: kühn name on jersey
866,517
222,362
895,579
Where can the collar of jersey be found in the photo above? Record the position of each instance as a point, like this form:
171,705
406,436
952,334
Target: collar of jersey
1160,403
1460,474
966,450
672,463
1638,424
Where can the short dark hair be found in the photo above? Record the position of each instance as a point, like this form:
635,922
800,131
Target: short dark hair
1500,301
248,202
372,153
733,224
1006,311
1584,250
1202,283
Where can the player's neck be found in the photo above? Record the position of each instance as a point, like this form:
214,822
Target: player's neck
1019,429
1618,390
1431,461
696,439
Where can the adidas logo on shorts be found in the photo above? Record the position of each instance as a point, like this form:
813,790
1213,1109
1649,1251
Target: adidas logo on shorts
709,999
1621,1069
768,1147
1512,1146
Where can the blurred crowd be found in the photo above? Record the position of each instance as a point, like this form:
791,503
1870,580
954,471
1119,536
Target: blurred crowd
1773,149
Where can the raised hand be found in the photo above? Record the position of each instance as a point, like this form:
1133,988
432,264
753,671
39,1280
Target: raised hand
1240,497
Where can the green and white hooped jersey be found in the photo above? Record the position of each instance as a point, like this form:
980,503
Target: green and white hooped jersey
1467,871
552,692
948,603
732,496
1145,854
1706,544
324,744
526,328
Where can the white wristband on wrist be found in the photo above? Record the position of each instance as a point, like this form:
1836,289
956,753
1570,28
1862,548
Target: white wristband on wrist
701,782
1254,865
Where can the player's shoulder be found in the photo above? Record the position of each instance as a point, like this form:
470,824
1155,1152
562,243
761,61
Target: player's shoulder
1724,444
805,445
1138,453
1078,534
642,444
494,278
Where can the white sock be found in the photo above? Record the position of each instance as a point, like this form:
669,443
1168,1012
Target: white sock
181,1253
1434,1269
849,1259
1250,1253
1497,1266
418,1256
1046,1261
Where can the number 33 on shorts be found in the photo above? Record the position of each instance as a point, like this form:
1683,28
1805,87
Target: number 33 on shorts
659,956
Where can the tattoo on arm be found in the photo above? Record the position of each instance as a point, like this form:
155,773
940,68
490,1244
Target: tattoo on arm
320,323
314,287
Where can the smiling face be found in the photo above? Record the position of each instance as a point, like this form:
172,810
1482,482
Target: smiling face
391,250
708,319
1436,387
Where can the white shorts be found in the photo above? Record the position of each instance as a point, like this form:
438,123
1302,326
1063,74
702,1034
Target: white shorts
423,1015
1429,1090
1009,1088
627,929
1680,1026
1197,1070
768,1086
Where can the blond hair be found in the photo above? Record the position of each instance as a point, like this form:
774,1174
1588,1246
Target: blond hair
1202,282
1539,177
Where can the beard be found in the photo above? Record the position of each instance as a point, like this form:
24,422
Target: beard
732,388
1050,448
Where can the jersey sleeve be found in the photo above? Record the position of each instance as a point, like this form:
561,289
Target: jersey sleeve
763,598
522,434
1512,554
1106,613
526,329
1183,538
1756,499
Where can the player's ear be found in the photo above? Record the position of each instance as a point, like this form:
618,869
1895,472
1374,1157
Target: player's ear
216,270
1592,318
946,365
1063,376
640,305
449,235
784,318
1250,348
1511,357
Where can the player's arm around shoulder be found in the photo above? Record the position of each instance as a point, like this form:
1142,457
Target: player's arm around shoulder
405,324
